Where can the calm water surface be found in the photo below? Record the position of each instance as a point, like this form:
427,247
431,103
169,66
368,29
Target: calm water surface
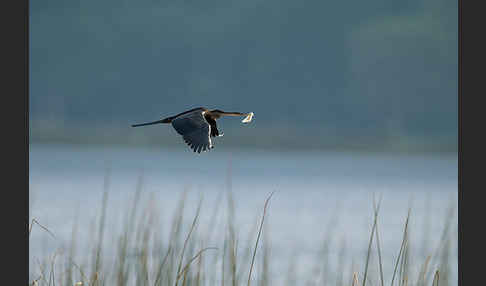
317,193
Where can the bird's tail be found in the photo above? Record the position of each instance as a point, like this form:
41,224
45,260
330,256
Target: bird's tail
153,122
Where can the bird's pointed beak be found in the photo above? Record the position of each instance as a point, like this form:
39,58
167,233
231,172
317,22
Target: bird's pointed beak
248,118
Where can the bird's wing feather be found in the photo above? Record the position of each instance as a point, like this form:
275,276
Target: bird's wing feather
195,130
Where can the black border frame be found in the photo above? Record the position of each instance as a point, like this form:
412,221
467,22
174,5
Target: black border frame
15,118
470,143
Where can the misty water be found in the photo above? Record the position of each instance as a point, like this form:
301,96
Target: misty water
317,195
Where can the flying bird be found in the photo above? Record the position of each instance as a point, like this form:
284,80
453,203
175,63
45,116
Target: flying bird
198,125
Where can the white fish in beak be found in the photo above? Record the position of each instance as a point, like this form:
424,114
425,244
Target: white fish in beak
248,118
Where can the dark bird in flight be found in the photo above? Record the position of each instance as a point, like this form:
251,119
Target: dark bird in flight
198,125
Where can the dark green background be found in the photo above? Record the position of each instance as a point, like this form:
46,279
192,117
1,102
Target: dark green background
365,75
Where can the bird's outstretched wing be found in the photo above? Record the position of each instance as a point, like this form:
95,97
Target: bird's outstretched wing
195,130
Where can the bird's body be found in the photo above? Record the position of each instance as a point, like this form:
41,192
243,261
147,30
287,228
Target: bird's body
198,125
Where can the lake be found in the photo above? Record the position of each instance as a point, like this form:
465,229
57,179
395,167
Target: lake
316,194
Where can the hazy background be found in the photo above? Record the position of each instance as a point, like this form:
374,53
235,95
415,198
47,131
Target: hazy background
375,74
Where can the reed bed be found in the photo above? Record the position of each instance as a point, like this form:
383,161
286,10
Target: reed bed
188,256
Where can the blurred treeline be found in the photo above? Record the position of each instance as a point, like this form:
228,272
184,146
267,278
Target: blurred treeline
373,75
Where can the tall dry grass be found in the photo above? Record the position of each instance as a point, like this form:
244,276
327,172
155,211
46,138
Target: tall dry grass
187,256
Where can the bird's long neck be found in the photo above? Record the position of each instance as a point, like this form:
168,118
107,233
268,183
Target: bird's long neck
218,113
233,113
